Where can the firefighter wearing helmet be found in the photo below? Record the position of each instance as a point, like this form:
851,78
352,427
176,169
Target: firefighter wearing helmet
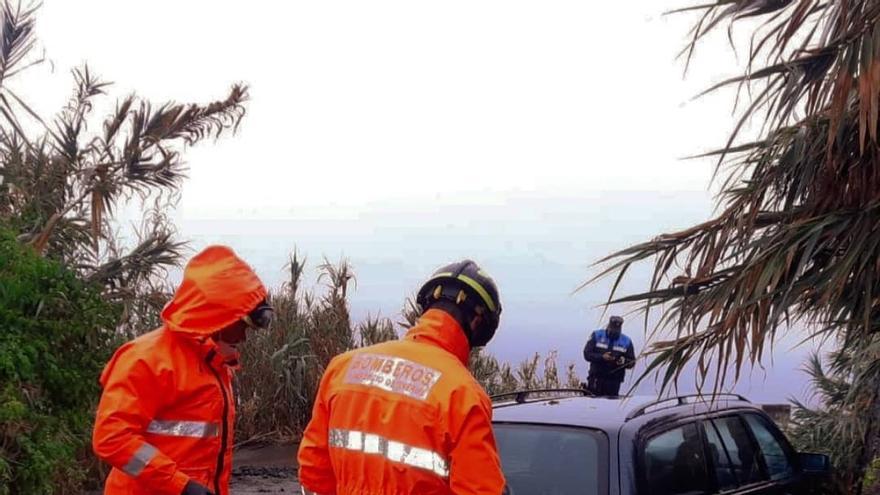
406,416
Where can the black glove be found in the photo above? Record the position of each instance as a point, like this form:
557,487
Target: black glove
195,488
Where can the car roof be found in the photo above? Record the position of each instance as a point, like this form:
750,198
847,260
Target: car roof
605,413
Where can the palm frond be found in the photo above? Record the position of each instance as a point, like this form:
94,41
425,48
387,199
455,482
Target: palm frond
796,238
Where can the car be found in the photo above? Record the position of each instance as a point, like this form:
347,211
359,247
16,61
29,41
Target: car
568,442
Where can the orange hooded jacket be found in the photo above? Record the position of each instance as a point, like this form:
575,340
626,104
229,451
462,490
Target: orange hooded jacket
166,413
402,417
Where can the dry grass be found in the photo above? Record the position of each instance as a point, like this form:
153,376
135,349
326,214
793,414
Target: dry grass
282,368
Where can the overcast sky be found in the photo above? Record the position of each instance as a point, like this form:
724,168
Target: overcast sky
532,136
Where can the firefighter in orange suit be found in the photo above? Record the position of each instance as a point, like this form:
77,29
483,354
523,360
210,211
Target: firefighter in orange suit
166,413
407,416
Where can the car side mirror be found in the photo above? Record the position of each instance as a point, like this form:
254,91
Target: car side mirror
815,464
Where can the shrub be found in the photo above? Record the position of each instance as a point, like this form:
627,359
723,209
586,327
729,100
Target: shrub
842,382
55,335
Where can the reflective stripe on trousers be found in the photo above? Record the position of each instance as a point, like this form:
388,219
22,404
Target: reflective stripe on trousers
192,429
140,459
391,450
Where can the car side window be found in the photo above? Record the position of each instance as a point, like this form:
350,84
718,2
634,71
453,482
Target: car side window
675,464
776,457
740,456
719,459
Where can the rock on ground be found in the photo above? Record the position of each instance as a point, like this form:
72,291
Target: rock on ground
263,470
250,480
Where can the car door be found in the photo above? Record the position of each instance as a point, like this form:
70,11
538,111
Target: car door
737,461
778,455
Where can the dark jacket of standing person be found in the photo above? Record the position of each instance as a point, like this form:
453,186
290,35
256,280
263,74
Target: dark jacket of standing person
610,353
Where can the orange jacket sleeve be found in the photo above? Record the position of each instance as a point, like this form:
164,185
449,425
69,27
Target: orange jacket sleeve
128,404
475,468
315,471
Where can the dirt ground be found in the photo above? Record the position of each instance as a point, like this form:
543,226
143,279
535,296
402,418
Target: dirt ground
263,470
257,471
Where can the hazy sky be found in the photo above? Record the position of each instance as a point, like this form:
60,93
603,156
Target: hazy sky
532,136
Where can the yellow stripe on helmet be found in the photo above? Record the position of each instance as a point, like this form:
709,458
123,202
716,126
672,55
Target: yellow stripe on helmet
473,284
480,290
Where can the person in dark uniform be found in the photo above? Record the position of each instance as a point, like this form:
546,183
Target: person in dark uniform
610,353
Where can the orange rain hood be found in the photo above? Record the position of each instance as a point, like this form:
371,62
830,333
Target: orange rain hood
218,289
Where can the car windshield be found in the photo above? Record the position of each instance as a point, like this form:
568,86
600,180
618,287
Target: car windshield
549,460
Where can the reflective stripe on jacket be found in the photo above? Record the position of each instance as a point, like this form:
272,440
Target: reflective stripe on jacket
605,344
599,344
167,410
403,417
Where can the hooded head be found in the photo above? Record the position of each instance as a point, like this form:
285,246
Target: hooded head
218,289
